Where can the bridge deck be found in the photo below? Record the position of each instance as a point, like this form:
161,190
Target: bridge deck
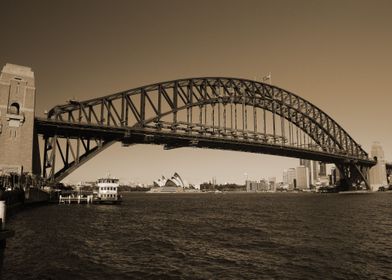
174,139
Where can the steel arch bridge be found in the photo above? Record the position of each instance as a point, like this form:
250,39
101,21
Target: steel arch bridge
214,112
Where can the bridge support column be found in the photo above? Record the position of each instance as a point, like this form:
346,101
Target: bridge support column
352,175
18,140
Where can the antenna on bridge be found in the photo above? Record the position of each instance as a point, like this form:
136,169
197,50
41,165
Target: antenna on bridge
268,78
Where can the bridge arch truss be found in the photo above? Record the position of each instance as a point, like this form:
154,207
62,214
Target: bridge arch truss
214,112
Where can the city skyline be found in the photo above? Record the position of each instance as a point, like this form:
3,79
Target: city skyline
197,139
336,55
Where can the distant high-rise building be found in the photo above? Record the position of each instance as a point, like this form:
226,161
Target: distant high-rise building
378,173
254,186
313,167
263,186
323,169
291,177
303,161
302,173
272,183
251,186
285,177
334,177
315,172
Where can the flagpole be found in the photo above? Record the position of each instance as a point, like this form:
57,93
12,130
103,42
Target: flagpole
268,77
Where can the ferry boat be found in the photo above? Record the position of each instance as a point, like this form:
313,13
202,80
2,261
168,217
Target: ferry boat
107,191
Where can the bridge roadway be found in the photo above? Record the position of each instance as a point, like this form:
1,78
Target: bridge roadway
175,139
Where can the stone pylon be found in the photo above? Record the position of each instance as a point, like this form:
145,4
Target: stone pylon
378,173
17,137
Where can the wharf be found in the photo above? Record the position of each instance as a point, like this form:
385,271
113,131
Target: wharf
79,199
89,199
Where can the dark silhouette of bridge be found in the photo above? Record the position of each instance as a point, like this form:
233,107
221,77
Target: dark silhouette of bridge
389,170
217,113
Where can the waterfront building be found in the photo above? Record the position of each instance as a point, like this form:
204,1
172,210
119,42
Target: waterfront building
160,182
302,177
81,186
377,174
173,184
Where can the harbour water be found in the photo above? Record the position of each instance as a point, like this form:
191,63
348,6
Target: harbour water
206,236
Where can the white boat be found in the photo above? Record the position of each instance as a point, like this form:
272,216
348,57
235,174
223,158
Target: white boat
107,191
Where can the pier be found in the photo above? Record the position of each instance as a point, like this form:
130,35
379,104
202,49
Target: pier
89,199
79,199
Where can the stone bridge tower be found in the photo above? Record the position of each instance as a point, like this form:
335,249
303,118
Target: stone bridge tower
18,141
378,173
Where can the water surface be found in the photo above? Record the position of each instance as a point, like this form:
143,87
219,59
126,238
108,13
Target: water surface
206,236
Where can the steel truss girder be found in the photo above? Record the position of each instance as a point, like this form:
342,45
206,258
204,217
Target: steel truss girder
72,155
171,139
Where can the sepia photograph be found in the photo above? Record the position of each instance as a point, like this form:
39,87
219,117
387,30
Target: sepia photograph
195,139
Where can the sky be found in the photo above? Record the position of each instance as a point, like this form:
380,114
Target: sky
335,54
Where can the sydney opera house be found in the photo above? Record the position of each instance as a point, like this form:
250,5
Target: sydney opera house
170,185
